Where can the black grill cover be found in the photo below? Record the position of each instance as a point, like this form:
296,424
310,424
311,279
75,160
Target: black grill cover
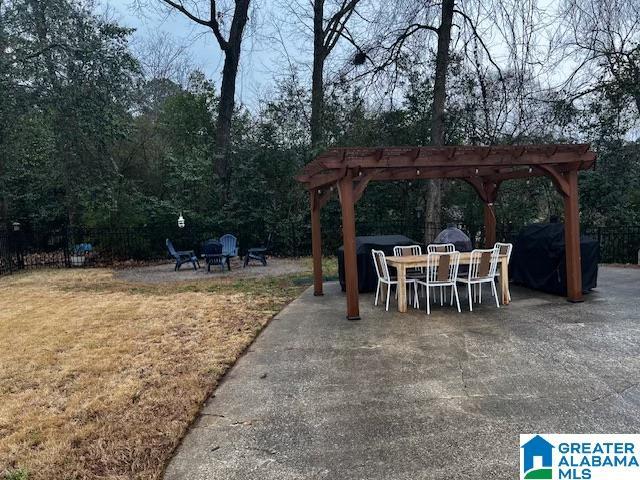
367,278
538,259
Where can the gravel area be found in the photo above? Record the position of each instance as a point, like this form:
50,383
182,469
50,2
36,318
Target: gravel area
164,273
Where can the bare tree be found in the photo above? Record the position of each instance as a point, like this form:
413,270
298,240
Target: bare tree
326,34
231,48
434,187
405,36
161,57
602,38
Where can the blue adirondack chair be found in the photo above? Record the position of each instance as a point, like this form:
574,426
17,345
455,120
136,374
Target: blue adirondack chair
229,248
183,256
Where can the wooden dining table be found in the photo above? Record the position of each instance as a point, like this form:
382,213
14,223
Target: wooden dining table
402,263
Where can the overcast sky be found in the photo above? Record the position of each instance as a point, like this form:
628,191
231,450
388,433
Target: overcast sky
262,59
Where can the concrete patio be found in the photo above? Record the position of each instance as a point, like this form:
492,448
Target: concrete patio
410,396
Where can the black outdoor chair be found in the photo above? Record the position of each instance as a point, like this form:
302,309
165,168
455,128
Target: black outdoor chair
212,253
182,256
258,253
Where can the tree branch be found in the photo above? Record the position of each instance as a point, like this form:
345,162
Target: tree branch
337,23
212,23
477,35
181,8
215,26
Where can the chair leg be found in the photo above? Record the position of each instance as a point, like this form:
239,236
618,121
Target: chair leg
441,296
416,302
470,298
428,302
480,293
452,296
495,293
389,295
377,293
454,289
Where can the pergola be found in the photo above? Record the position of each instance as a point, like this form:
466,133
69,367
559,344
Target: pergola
484,168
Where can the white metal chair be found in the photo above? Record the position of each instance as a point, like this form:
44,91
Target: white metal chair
441,248
405,250
382,270
442,271
482,269
402,250
504,249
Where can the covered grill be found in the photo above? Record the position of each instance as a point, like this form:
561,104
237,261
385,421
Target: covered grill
453,234
367,277
538,259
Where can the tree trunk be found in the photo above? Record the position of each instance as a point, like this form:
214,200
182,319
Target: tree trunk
225,113
433,198
232,51
317,86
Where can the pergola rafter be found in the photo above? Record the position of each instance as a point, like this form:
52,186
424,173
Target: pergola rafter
350,170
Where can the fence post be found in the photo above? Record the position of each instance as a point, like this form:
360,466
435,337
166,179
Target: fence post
15,243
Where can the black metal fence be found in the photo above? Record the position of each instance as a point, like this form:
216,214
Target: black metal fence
75,247
617,244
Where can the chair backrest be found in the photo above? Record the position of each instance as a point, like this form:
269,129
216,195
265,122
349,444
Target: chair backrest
504,249
442,267
402,250
229,244
172,250
441,248
380,262
212,247
483,263
269,242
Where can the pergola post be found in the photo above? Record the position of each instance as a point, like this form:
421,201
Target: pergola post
489,225
347,201
316,242
572,237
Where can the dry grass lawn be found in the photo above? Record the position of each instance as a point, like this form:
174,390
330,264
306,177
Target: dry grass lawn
100,378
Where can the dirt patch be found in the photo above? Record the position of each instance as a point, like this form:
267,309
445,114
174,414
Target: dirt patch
164,273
